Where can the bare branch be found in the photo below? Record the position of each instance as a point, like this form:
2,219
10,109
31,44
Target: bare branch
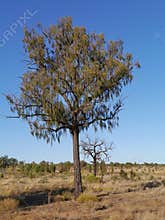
97,150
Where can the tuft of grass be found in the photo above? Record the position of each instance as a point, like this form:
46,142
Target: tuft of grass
1,175
92,179
97,189
67,196
8,204
84,197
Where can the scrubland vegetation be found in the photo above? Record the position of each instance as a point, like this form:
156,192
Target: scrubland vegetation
45,191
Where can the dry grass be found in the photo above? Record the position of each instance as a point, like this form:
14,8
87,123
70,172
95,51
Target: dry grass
85,197
115,199
13,186
8,204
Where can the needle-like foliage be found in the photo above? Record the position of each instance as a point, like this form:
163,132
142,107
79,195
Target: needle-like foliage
74,80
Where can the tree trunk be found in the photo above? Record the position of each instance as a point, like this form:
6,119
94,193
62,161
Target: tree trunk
94,167
77,168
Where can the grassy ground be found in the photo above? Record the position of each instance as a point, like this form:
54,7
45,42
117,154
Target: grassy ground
136,194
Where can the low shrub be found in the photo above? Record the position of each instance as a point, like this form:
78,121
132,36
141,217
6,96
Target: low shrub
84,197
132,175
123,174
97,189
1,175
92,179
67,196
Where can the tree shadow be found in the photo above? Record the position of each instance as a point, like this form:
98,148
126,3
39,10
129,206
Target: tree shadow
41,197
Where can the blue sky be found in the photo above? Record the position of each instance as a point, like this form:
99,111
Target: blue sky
141,25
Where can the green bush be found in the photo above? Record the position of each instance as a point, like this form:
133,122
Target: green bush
84,197
67,196
92,179
1,175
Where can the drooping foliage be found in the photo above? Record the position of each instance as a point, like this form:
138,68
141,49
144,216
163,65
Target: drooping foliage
74,80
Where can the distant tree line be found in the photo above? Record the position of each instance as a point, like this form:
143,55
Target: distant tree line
33,169
10,165
6,162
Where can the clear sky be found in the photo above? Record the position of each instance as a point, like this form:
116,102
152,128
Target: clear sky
141,25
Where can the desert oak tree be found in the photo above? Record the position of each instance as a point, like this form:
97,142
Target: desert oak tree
74,79
97,150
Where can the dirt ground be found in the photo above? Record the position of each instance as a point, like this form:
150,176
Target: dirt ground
115,199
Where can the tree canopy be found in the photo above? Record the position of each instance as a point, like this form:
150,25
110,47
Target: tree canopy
72,80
